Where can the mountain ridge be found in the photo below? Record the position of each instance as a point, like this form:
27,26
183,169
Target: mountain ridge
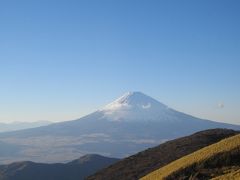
76,169
136,126
15,126
209,162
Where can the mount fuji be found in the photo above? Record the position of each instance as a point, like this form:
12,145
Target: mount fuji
128,125
135,106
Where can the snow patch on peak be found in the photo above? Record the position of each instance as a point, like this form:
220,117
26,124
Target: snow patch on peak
121,102
146,106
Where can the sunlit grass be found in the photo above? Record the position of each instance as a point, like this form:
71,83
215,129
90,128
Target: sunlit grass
195,158
235,175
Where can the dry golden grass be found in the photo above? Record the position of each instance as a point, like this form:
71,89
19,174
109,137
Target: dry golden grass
195,158
235,175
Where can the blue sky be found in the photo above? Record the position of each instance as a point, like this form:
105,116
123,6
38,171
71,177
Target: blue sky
62,59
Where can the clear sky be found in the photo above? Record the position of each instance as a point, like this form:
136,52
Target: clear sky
62,59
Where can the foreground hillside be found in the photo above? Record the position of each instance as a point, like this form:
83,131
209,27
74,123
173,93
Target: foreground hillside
77,169
209,162
142,163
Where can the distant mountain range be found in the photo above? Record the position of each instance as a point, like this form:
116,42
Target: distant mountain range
126,126
145,162
14,126
74,170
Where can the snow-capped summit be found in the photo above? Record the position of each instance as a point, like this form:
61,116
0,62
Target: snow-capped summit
133,99
134,106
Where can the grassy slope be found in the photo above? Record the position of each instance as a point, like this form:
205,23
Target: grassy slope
142,163
192,161
234,175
